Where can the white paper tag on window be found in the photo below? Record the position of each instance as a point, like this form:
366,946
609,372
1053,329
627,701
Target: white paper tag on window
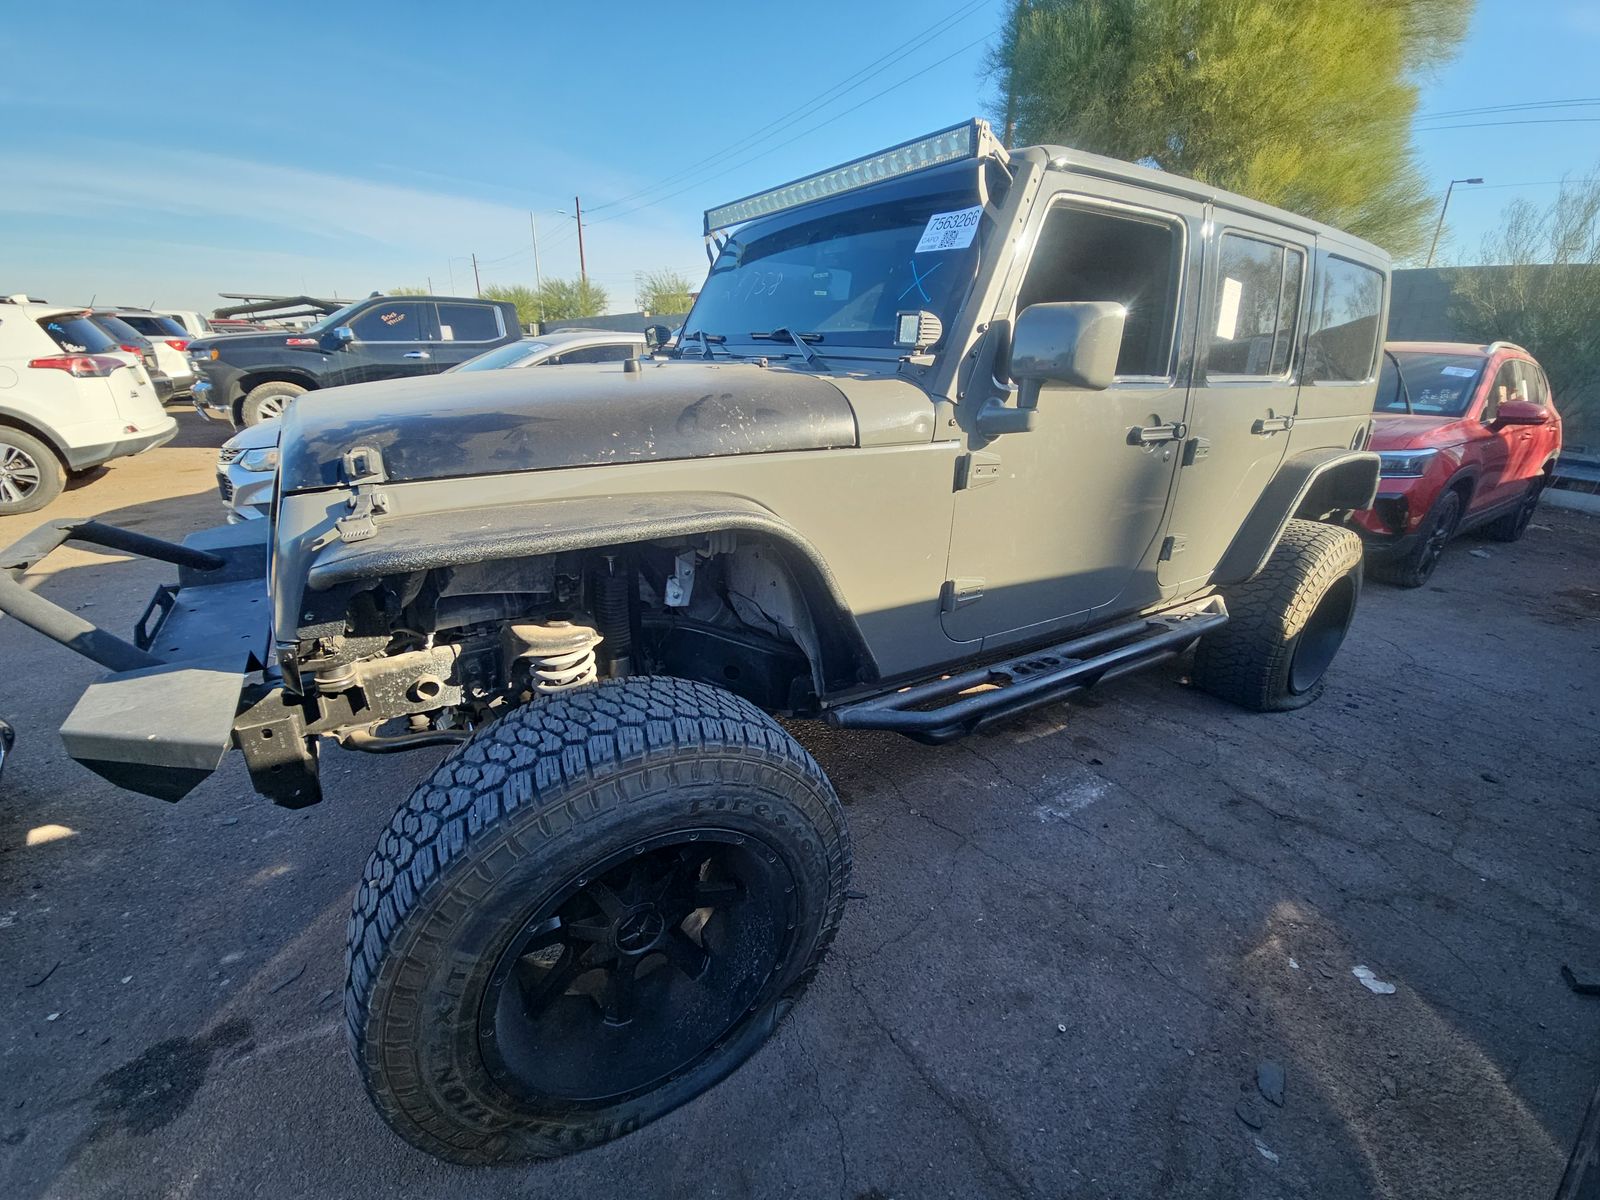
950,230
1228,308
1458,372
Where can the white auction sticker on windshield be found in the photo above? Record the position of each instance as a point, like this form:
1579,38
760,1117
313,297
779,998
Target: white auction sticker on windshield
951,230
1458,372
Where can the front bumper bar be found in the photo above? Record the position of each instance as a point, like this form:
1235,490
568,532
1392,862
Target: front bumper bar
163,719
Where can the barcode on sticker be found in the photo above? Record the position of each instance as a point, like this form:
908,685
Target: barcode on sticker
950,230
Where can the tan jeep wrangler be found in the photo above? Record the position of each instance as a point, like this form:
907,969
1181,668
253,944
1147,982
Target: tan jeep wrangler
951,432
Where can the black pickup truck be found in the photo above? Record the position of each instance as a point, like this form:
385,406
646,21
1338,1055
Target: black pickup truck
251,377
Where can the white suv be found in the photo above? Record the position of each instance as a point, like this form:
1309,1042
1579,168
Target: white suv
70,399
169,339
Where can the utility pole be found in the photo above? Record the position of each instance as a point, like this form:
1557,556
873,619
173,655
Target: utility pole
577,213
430,285
476,282
1444,208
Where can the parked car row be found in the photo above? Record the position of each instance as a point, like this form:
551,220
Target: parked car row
72,396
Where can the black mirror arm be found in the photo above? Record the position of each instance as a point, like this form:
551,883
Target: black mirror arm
995,416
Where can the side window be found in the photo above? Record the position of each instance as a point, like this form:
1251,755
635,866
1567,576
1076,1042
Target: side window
469,323
1506,382
1344,322
401,322
597,354
1083,254
1533,385
1256,307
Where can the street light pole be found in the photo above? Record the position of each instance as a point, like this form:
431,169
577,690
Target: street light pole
1444,208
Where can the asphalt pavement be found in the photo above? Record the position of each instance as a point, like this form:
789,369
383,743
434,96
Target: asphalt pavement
1109,950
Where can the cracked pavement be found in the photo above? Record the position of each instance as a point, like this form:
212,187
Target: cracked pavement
1073,947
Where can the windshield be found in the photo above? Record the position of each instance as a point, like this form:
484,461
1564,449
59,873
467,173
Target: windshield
502,356
1437,385
842,276
333,319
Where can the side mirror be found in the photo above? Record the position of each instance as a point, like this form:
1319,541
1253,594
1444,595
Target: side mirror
1521,412
1075,344
344,333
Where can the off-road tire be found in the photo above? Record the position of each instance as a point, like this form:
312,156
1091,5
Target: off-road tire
1311,581
1415,567
40,475
1514,524
534,799
264,396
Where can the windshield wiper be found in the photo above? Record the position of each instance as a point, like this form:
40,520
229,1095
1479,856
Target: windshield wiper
706,340
800,340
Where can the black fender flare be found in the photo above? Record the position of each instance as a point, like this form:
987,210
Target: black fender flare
404,544
1307,484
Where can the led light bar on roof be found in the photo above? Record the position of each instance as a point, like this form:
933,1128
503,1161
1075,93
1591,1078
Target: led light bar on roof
971,139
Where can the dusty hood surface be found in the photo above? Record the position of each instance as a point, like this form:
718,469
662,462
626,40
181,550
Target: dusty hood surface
493,422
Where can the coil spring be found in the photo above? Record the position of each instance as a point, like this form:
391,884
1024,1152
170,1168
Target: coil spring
558,672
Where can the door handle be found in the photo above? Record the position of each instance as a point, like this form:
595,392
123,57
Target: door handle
418,354
1272,425
1154,435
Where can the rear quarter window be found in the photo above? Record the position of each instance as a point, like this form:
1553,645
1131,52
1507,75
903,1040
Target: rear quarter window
1344,322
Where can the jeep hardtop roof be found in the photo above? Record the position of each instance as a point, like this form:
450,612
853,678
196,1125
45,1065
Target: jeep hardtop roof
974,141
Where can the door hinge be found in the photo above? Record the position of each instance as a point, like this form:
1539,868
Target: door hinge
958,593
1174,545
977,469
1194,450
362,469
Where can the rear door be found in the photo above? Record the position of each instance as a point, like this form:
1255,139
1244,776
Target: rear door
1243,401
465,330
393,339
1495,444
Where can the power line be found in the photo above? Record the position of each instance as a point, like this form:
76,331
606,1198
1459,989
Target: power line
803,133
1493,124
1577,102
849,84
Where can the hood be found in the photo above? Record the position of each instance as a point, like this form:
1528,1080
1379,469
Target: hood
255,437
494,422
1402,431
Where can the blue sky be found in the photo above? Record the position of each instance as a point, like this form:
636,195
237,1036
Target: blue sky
165,156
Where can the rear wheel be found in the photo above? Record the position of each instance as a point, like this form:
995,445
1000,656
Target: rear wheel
592,912
1285,625
31,476
267,401
1415,567
1513,525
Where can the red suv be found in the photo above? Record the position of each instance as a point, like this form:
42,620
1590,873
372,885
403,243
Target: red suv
1468,436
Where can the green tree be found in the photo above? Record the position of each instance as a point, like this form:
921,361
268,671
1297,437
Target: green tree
664,291
1306,106
1536,282
566,299
524,297
410,290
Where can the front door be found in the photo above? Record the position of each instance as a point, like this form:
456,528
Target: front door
394,338
1063,522
1243,401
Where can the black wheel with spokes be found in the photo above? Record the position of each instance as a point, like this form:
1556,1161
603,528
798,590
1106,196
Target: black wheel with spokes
1415,568
593,911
